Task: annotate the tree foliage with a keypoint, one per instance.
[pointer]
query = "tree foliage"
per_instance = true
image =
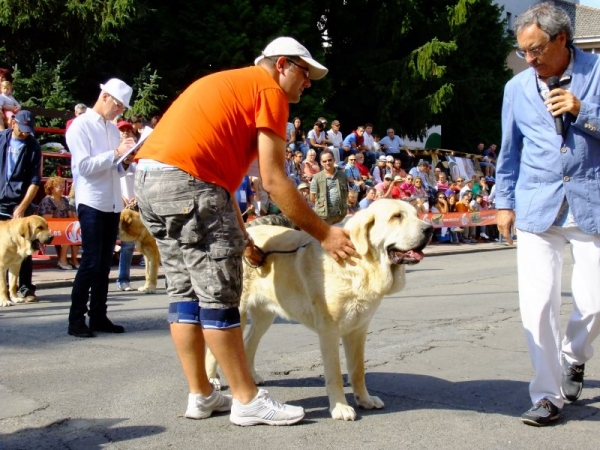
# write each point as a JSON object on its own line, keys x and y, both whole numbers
{"x": 409, "y": 64}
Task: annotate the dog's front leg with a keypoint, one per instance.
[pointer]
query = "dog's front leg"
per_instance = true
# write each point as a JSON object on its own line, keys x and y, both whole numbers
{"x": 329, "y": 339}
{"x": 13, "y": 279}
{"x": 4, "y": 299}
{"x": 354, "y": 347}
{"x": 151, "y": 272}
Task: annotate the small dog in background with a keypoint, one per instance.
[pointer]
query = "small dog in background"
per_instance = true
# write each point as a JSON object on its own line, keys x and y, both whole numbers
{"x": 131, "y": 229}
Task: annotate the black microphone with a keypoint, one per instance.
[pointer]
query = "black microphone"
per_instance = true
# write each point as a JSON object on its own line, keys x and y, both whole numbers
{"x": 554, "y": 83}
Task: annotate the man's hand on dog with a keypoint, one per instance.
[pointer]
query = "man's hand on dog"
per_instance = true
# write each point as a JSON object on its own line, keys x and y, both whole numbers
{"x": 505, "y": 219}
{"x": 253, "y": 255}
{"x": 338, "y": 244}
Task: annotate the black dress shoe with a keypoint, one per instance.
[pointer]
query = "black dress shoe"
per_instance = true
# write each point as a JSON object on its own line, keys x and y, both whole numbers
{"x": 80, "y": 330}
{"x": 106, "y": 326}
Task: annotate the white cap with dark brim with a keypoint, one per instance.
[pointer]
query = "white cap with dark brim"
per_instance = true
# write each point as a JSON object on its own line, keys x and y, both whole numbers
{"x": 287, "y": 46}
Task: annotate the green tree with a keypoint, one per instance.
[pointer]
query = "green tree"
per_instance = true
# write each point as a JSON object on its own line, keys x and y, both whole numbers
{"x": 409, "y": 62}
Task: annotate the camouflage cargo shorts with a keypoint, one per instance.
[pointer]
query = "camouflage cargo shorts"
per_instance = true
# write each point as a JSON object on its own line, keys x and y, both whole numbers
{"x": 198, "y": 236}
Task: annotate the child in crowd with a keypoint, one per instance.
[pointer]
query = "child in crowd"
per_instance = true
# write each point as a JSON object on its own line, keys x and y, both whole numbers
{"x": 8, "y": 103}
{"x": 56, "y": 206}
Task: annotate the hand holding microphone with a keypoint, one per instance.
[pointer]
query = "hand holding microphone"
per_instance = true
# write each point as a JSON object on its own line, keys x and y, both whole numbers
{"x": 561, "y": 102}
{"x": 554, "y": 83}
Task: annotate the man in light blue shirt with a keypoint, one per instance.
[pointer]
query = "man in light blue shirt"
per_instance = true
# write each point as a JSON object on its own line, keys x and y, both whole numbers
{"x": 547, "y": 185}
{"x": 393, "y": 145}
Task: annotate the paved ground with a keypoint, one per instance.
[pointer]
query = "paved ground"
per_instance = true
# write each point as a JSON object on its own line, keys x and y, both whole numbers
{"x": 446, "y": 355}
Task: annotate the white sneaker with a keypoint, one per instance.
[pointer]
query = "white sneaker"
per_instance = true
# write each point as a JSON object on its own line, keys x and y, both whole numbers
{"x": 262, "y": 409}
{"x": 483, "y": 235}
{"x": 201, "y": 407}
{"x": 124, "y": 287}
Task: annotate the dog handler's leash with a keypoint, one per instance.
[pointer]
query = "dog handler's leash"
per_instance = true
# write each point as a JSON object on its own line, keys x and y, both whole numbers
{"x": 264, "y": 255}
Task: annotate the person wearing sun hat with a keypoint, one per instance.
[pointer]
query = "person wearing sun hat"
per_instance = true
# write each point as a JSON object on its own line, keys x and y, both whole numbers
{"x": 187, "y": 170}
{"x": 96, "y": 146}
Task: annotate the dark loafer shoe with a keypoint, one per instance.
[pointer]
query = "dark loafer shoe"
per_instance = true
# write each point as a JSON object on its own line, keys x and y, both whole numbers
{"x": 80, "y": 330}
{"x": 106, "y": 326}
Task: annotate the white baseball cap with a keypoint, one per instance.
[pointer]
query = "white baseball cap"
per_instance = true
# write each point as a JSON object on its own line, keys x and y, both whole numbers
{"x": 287, "y": 46}
{"x": 119, "y": 90}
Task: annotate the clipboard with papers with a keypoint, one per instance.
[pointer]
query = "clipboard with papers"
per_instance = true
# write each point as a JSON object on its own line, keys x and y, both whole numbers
{"x": 145, "y": 133}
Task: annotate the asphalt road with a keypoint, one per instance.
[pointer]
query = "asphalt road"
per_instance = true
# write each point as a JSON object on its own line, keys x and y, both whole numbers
{"x": 447, "y": 356}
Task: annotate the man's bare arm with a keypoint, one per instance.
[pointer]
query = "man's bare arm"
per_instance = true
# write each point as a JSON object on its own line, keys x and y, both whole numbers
{"x": 271, "y": 154}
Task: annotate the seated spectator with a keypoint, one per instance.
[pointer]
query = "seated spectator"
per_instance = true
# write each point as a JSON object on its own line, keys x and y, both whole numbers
{"x": 355, "y": 181}
{"x": 389, "y": 165}
{"x": 488, "y": 164}
{"x": 385, "y": 186}
{"x": 441, "y": 206}
{"x": 379, "y": 171}
{"x": 478, "y": 205}
{"x": 421, "y": 171}
{"x": 397, "y": 169}
{"x": 138, "y": 122}
{"x": 353, "y": 142}
{"x": 288, "y": 134}
{"x": 442, "y": 182}
{"x": 298, "y": 169}
{"x": 56, "y": 206}
{"x": 299, "y": 137}
{"x": 304, "y": 190}
{"x": 311, "y": 166}
{"x": 476, "y": 188}
{"x": 261, "y": 197}
{"x": 154, "y": 121}
{"x": 421, "y": 193}
{"x": 369, "y": 198}
{"x": 7, "y": 102}
{"x": 290, "y": 166}
{"x": 335, "y": 140}
{"x": 352, "y": 201}
{"x": 245, "y": 198}
{"x": 317, "y": 138}
{"x": 364, "y": 170}
{"x": 467, "y": 186}
{"x": 80, "y": 108}
{"x": 408, "y": 186}
{"x": 393, "y": 145}
{"x": 464, "y": 206}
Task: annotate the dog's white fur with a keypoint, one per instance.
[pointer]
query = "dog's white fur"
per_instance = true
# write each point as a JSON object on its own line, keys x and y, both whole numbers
{"x": 336, "y": 301}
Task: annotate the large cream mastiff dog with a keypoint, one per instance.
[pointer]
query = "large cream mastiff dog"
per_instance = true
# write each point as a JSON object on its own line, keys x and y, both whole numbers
{"x": 19, "y": 238}
{"x": 336, "y": 301}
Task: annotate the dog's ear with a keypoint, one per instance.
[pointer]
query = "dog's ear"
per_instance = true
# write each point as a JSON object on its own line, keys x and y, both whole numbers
{"x": 360, "y": 232}
{"x": 24, "y": 229}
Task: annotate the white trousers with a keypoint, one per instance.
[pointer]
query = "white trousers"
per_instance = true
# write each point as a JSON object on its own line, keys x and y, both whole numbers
{"x": 540, "y": 263}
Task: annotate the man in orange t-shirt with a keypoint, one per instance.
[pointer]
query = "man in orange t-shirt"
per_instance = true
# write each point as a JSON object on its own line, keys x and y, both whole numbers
{"x": 187, "y": 174}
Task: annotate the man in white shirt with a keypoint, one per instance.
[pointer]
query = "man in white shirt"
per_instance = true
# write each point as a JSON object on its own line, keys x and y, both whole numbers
{"x": 95, "y": 146}
{"x": 335, "y": 139}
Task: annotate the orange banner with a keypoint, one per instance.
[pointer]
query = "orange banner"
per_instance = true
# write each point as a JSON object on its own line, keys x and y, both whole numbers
{"x": 472, "y": 219}
{"x": 65, "y": 231}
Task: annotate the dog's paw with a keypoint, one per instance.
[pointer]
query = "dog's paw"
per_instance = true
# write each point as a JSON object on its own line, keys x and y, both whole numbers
{"x": 147, "y": 289}
{"x": 370, "y": 402}
{"x": 343, "y": 412}
{"x": 18, "y": 300}
{"x": 6, "y": 303}
{"x": 216, "y": 382}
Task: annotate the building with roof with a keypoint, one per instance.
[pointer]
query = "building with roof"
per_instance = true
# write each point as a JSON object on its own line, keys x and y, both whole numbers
{"x": 585, "y": 20}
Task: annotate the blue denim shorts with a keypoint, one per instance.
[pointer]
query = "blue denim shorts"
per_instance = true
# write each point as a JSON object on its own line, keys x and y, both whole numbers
{"x": 198, "y": 236}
